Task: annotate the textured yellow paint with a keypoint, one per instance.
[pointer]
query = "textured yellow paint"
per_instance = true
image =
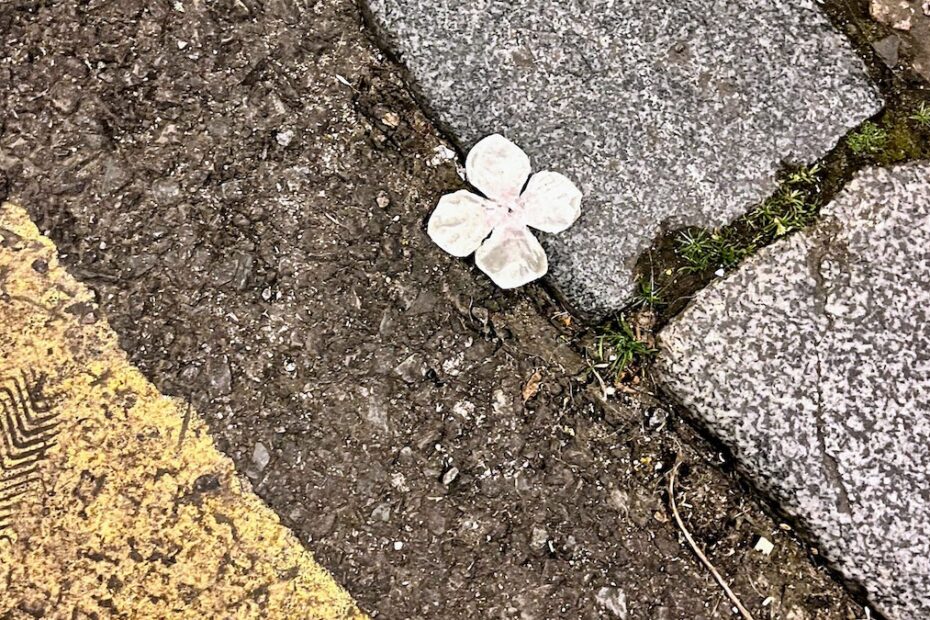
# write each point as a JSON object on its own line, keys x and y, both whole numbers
{"x": 126, "y": 519}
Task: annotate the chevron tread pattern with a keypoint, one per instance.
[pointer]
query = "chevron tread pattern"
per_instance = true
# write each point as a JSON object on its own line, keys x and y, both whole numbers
{"x": 28, "y": 427}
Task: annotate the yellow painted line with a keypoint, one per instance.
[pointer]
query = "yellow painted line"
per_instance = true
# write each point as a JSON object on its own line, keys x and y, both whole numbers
{"x": 114, "y": 501}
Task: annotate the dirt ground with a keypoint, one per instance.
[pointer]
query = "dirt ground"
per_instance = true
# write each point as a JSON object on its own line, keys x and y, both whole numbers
{"x": 244, "y": 184}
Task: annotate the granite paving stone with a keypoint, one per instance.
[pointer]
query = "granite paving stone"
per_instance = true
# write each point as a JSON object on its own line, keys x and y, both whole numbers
{"x": 812, "y": 363}
{"x": 665, "y": 115}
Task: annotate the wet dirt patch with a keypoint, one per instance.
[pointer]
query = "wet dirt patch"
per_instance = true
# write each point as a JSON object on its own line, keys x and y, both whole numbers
{"x": 244, "y": 186}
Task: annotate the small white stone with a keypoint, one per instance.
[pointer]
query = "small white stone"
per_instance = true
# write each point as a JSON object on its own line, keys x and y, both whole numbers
{"x": 720, "y": 273}
{"x": 764, "y": 546}
{"x": 450, "y": 476}
{"x": 284, "y": 137}
{"x": 399, "y": 482}
{"x": 441, "y": 153}
{"x": 538, "y": 537}
{"x": 260, "y": 456}
{"x": 613, "y": 600}
{"x": 398, "y": 545}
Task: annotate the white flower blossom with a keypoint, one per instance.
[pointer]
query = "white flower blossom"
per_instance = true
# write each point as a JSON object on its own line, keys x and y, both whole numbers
{"x": 496, "y": 226}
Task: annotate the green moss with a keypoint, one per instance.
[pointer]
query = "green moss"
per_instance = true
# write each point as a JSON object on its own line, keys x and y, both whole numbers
{"x": 869, "y": 139}
{"x": 902, "y": 145}
{"x": 907, "y": 129}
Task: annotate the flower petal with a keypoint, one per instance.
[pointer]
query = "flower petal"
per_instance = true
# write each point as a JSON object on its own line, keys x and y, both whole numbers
{"x": 460, "y": 222}
{"x": 497, "y": 167}
{"x": 551, "y": 203}
{"x": 512, "y": 257}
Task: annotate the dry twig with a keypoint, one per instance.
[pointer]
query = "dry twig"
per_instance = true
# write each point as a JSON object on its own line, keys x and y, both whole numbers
{"x": 697, "y": 551}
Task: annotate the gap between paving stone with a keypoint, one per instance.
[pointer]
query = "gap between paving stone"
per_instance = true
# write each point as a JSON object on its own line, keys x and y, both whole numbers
{"x": 663, "y": 268}
{"x": 383, "y": 380}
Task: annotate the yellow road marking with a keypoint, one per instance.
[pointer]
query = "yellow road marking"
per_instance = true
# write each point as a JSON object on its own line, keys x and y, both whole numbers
{"x": 105, "y": 509}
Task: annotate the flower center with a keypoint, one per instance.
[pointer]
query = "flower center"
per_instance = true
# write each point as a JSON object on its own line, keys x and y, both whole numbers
{"x": 506, "y": 213}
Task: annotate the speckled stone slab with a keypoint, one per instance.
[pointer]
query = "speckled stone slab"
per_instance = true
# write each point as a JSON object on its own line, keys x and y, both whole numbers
{"x": 812, "y": 362}
{"x": 666, "y": 114}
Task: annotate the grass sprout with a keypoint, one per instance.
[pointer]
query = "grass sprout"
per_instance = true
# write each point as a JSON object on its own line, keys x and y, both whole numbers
{"x": 921, "y": 115}
{"x": 618, "y": 347}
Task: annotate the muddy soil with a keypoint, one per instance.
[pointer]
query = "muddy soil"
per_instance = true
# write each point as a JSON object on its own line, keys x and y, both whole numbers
{"x": 244, "y": 184}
